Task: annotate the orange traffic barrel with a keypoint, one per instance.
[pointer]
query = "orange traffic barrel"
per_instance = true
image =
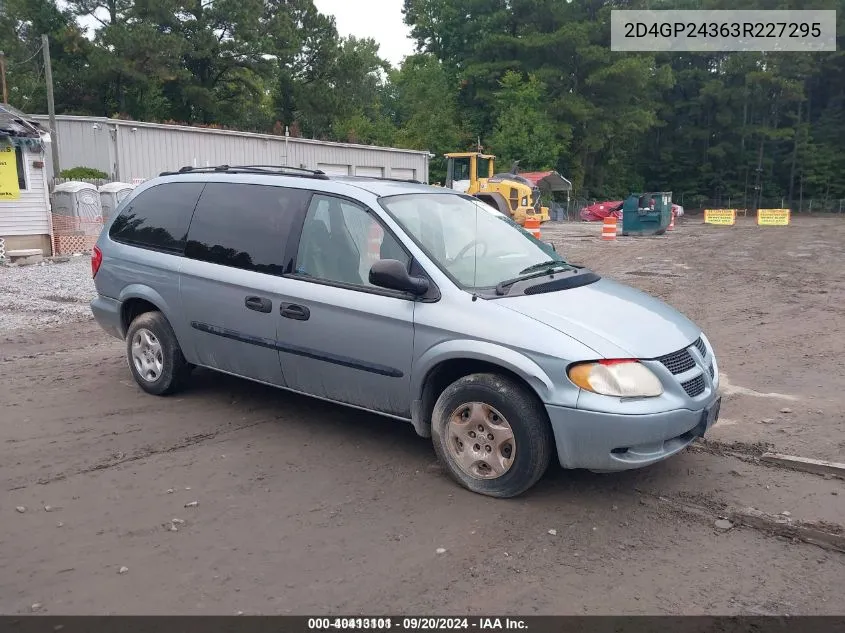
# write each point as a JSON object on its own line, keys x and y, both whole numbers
{"x": 671, "y": 226}
{"x": 532, "y": 224}
{"x": 608, "y": 228}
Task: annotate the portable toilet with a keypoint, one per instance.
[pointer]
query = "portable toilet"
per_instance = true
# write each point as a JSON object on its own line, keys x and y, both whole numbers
{"x": 79, "y": 200}
{"x": 647, "y": 213}
{"x": 111, "y": 195}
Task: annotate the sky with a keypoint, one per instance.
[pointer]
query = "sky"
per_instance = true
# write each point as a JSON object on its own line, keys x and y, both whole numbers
{"x": 378, "y": 19}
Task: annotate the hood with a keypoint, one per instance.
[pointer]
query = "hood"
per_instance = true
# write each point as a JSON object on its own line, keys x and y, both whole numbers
{"x": 615, "y": 320}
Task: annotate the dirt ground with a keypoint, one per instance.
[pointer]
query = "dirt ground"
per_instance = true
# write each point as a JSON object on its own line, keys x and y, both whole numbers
{"x": 304, "y": 507}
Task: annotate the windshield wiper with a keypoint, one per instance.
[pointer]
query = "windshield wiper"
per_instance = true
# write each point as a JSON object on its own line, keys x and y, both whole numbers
{"x": 535, "y": 270}
{"x": 552, "y": 263}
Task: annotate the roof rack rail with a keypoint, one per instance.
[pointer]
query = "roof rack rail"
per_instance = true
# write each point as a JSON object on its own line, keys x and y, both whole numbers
{"x": 411, "y": 180}
{"x": 278, "y": 170}
{"x": 284, "y": 167}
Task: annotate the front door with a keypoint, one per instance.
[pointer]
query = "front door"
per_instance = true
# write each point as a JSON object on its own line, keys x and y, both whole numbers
{"x": 340, "y": 337}
{"x": 234, "y": 260}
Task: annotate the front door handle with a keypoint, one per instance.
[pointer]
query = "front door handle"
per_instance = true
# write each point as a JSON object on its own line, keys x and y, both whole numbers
{"x": 259, "y": 304}
{"x": 294, "y": 311}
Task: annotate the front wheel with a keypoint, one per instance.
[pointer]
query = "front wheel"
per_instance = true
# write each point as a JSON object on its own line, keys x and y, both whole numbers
{"x": 492, "y": 434}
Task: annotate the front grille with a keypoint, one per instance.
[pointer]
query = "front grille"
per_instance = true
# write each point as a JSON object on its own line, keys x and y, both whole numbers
{"x": 678, "y": 362}
{"x": 712, "y": 373}
{"x": 699, "y": 344}
{"x": 694, "y": 387}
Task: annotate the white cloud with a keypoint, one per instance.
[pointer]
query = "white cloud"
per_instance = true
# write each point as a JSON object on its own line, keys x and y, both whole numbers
{"x": 381, "y": 20}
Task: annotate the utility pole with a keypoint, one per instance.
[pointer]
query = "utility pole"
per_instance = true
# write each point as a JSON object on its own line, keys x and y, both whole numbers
{"x": 51, "y": 106}
{"x": 3, "y": 77}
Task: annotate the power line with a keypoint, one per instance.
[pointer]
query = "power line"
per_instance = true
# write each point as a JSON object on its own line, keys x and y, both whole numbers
{"x": 28, "y": 58}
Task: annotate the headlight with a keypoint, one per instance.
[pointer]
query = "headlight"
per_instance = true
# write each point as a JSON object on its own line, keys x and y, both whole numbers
{"x": 619, "y": 378}
{"x": 524, "y": 202}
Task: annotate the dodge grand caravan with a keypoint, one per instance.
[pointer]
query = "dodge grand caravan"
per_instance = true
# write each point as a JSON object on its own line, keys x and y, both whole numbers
{"x": 410, "y": 301}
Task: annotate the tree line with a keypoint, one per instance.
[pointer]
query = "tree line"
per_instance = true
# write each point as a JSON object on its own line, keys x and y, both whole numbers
{"x": 531, "y": 80}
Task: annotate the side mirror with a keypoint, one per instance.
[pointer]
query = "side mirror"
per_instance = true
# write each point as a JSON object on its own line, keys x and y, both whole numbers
{"x": 393, "y": 275}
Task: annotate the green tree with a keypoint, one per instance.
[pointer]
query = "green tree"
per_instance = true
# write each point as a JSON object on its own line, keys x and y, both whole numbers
{"x": 303, "y": 43}
{"x": 359, "y": 90}
{"x": 425, "y": 110}
{"x": 522, "y": 130}
{"x": 22, "y": 22}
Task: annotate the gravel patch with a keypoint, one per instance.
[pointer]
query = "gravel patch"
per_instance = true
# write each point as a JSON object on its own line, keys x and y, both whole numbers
{"x": 45, "y": 294}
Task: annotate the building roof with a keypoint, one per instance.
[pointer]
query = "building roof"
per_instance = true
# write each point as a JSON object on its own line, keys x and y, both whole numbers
{"x": 13, "y": 122}
{"x": 204, "y": 130}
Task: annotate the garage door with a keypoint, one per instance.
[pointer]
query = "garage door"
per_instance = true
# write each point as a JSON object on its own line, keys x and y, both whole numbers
{"x": 372, "y": 172}
{"x": 403, "y": 174}
{"x": 334, "y": 170}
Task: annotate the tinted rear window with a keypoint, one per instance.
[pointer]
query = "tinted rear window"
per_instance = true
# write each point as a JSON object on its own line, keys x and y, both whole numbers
{"x": 158, "y": 218}
{"x": 245, "y": 226}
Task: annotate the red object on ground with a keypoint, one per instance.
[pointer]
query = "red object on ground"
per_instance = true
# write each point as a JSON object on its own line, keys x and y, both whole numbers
{"x": 601, "y": 210}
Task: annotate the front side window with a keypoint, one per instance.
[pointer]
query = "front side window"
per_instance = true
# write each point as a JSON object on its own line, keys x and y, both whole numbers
{"x": 474, "y": 244}
{"x": 341, "y": 241}
{"x": 245, "y": 226}
{"x": 158, "y": 217}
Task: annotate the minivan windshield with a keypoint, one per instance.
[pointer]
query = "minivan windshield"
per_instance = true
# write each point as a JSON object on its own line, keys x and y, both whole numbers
{"x": 474, "y": 244}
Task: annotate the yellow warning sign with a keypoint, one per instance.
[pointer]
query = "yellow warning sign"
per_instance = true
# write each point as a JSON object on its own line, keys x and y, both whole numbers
{"x": 725, "y": 217}
{"x": 773, "y": 217}
{"x": 9, "y": 189}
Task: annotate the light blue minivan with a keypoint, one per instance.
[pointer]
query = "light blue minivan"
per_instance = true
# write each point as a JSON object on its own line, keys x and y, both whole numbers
{"x": 410, "y": 301}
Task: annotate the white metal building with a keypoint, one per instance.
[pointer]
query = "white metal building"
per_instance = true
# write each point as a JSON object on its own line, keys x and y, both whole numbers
{"x": 130, "y": 150}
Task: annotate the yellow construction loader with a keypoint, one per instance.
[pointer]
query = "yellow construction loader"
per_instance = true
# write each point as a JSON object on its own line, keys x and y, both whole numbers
{"x": 515, "y": 195}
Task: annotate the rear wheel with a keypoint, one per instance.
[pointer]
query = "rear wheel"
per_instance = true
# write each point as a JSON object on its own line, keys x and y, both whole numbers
{"x": 154, "y": 355}
{"x": 492, "y": 435}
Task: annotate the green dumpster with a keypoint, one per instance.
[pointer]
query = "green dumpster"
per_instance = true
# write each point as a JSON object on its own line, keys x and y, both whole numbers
{"x": 647, "y": 213}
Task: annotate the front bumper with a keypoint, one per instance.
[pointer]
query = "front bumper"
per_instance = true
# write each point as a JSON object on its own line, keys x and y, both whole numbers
{"x": 612, "y": 442}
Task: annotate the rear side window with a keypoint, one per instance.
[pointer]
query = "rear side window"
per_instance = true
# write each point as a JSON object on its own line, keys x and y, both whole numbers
{"x": 245, "y": 226}
{"x": 158, "y": 218}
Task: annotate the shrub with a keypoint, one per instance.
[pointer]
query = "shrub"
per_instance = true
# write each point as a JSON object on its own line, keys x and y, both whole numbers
{"x": 83, "y": 173}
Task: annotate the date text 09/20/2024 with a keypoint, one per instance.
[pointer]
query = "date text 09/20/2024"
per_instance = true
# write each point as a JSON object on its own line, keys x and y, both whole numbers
{"x": 416, "y": 623}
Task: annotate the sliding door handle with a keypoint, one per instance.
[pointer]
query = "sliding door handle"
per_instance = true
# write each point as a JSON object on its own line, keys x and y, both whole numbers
{"x": 259, "y": 304}
{"x": 294, "y": 311}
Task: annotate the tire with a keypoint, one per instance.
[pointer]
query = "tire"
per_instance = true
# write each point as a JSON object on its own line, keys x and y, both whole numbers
{"x": 496, "y": 395}
{"x": 170, "y": 370}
